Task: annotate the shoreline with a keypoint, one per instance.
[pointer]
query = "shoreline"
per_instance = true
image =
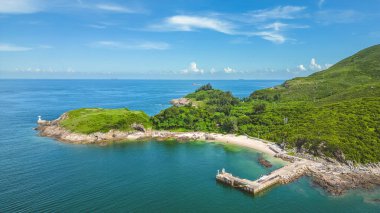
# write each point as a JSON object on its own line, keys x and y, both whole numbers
{"x": 54, "y": 130}
{"x": 334, "y": 177}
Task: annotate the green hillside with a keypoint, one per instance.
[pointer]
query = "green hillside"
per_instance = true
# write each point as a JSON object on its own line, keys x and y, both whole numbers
{"x": 90, "y": 120}
{"x": 334, "y": 112}
{"x": 357, "y": 76}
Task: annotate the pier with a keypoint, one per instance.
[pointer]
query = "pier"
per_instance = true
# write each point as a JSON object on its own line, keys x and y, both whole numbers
{"x": 283, "y": 175}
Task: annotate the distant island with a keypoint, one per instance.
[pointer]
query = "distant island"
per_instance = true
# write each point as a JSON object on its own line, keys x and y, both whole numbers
{"x": 328, "y": 122}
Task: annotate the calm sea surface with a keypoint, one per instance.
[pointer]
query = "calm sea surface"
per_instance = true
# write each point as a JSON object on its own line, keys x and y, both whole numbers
{"x": 40, "y": 174}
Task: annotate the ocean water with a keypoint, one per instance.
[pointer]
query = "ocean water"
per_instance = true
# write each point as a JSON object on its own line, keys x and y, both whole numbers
{"x": 42, "y": 175}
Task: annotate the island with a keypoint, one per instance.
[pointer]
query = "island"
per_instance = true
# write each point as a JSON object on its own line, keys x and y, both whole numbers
{"x": 326, "y": 125}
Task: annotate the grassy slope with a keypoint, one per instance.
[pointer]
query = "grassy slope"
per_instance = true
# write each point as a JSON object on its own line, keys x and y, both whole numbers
{"x": 333, "y": 112}
{"x": 355, "y": 76}
{"x": 90, "y": 120}
{"x": 337, "y": 109}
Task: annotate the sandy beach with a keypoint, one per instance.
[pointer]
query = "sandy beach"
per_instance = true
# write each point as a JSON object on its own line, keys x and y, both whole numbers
{"x": 239, "y": 140}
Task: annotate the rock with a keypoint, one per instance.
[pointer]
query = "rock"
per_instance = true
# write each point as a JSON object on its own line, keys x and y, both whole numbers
{"x": 181, "y": 102}
{"x": 338, "y": 154}
{"x": 209, "y": 137}
{"x": 264, "y": 162}
{"x": 138, "y": 127}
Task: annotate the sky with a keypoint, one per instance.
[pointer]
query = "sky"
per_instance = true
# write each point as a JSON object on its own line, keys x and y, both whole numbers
{"x": 181, "y": 39}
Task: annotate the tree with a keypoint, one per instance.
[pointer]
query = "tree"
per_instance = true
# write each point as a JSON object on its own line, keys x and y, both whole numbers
{"x": 259, "y": 108}
{"x": 204, "y": 88}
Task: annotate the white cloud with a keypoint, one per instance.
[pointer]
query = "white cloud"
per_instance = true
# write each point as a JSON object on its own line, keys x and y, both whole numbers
{"x": 190, "y": 23}
{"x": 20, "y": 6}
{"x": 102, "y": 25}
{"x": 144, "y": 45}
{"x": 281, "y": 12}
{"x": 301, "y": 67}
{"x": 272, "y": 36}
{"x": 314, "y": 65}
{"x": 254, "y": 23}
{"x": 229, "y": 70}
{"x": 212, "y": 70}
{"x": 13, "y": 48}
{"x": 193, "y": 68}
{"x": 147, "y": 45}
{"x": 279, "y": 26}
{"x": 45, "y": 70}
{"x": 114, "y": 8}
{"x": 108, "y": 44}
{"x": 273, "y": 31}
{"x": 97, "y": 26}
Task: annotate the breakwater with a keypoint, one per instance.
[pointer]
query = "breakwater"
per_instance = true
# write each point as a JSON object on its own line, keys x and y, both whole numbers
{"x": 283, "y": 175}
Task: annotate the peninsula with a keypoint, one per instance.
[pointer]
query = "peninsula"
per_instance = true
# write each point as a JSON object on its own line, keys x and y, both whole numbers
{"x": 326, "y": 125}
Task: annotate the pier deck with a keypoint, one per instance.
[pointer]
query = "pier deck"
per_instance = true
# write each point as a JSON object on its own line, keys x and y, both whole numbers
{"x": 283, "y": 175}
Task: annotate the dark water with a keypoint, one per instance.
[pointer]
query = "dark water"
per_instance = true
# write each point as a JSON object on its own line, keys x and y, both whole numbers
{"x": 40, "y": 174}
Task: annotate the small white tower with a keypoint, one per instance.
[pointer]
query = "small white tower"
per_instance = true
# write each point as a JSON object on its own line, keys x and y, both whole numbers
{"x": 40, "y": 121}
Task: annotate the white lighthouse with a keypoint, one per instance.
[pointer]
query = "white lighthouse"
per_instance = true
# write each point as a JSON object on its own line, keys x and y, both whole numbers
{"x": 40, "y": 121}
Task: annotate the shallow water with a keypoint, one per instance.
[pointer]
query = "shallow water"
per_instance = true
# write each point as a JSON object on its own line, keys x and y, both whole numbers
{"x": 39, "y": 174}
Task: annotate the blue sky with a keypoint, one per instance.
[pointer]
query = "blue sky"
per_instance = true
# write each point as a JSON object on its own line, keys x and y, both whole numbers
{"x": 178, "y": 39}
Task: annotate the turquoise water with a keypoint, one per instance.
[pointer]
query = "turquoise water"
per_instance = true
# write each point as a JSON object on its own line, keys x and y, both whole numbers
{"x": 40, "y": 174}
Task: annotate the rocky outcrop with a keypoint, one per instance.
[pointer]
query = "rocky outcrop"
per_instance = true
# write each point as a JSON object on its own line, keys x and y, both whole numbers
{"x": 181, "y": 102}
{"x": 337, "y": 179}
{"x": 138, "y": 127}
{"x": 53, "y": 129}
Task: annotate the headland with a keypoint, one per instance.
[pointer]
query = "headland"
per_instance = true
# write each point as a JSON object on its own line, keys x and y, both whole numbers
{"x": 336, "y": 178}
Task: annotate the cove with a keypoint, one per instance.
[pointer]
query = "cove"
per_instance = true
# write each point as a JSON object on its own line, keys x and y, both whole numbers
{"x": 40, "y": 173}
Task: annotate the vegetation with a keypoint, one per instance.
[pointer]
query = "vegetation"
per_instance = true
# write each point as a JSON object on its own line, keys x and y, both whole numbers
{"x": 334, "y": 112}
{"x": 204, "y": 87}
{"x": 211, "y": 114}
{"x": 90, "y": 120}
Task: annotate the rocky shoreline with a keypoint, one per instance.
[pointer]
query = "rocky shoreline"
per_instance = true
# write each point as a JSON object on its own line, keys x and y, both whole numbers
{"x": 336, "y": 178}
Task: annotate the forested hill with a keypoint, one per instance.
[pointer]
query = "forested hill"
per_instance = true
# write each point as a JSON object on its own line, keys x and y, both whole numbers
{"x": 333, "y": 113}
{"x": 357, "y": 76}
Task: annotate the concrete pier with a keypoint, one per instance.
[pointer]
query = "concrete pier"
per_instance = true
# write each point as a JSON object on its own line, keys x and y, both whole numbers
{"x": 283, "y": 175}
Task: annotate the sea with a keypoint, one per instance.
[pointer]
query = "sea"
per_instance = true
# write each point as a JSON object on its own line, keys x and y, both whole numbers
{"x": 39, "y": 174}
